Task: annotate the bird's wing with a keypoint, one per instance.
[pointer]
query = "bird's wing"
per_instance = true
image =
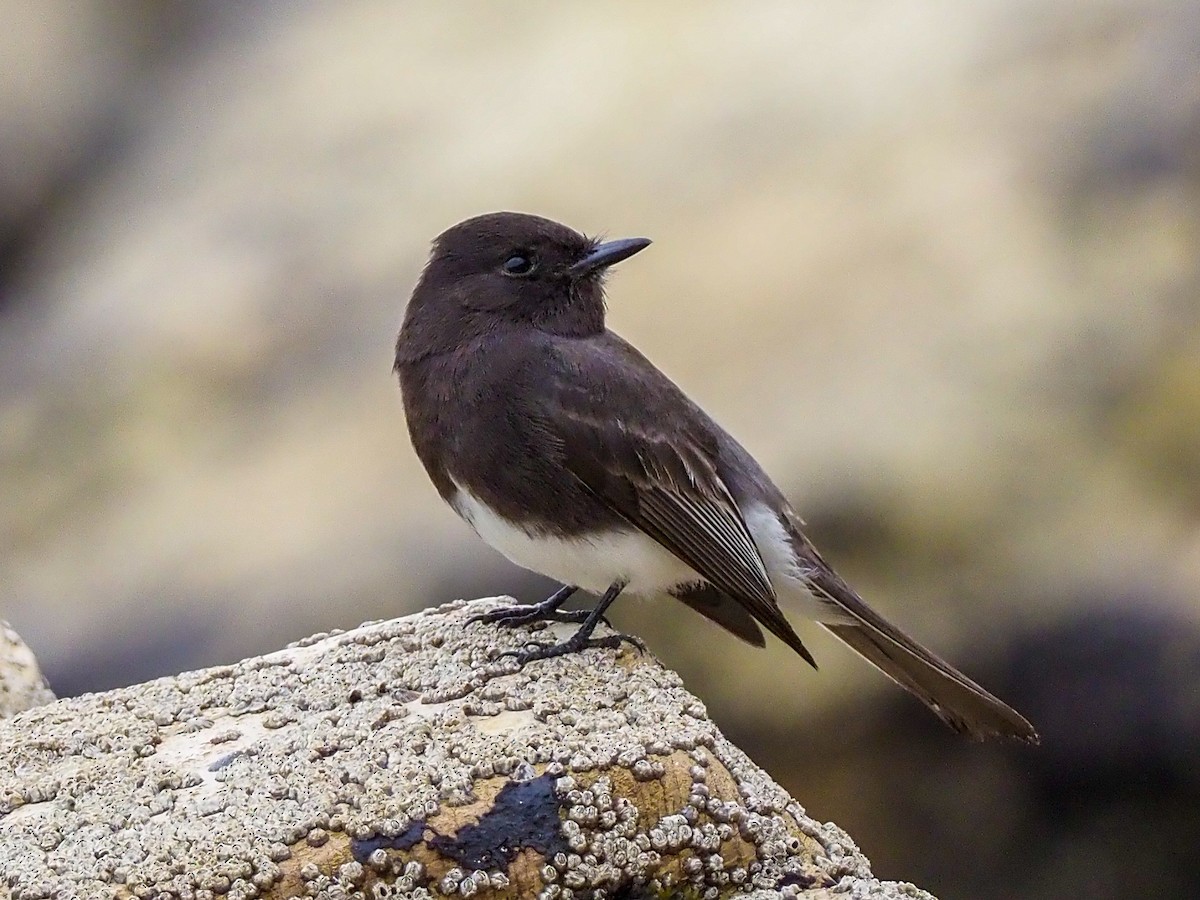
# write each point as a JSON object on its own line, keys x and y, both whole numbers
{"x": 655, "y": 466}
{"x": 719, "y": 607}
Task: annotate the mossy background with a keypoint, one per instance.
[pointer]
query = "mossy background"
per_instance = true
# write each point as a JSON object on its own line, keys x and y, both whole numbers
{"x": 935, "y": 264}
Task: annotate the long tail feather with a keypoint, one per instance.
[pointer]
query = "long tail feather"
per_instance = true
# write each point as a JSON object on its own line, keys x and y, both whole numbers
{"x": 954, "y": 698}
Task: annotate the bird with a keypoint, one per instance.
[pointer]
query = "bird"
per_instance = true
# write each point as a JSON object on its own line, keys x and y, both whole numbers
{"x": 568, "y": 451}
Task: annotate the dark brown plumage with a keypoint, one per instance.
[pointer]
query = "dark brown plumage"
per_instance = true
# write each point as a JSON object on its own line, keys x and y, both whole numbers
{"x": 571, "y": 453}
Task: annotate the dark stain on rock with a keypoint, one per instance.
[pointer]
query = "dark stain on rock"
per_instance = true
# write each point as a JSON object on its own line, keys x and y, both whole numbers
{"x": 801, "y": 880}
{"x": 523, "y": 815}
{"x": 405, "y": 840}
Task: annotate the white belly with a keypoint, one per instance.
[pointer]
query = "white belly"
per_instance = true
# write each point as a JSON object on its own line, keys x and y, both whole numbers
{"x": 592, "y": 563}
{"x": 641, "y": 563}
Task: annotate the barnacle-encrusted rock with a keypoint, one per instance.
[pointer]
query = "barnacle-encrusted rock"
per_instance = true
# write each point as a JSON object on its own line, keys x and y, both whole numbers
{"x": 404, "y": 759}
{"x": 21, "y": 683}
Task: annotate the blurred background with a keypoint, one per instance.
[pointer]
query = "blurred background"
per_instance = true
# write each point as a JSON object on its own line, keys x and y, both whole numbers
{"x": 934, "y": 263}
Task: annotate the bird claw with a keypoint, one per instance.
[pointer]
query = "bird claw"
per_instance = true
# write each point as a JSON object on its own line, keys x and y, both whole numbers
{"x": 549, "y": 611}
{"x": 534, "y": 651}
{"x": 515, "y": 616}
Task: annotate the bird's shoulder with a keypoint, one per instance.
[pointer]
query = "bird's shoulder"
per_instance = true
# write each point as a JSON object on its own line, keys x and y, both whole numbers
{"x": 604, "y": 381}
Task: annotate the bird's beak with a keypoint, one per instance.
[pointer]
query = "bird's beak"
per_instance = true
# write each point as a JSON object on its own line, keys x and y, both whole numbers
{"x": 606, "y": 254}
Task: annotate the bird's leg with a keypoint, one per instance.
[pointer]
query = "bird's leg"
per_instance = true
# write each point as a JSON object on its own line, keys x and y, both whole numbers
{"x": 582, "y": 638}
{"x": 546, "y": 611}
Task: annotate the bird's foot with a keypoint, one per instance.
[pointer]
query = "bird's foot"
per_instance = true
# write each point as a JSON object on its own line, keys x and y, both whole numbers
{"x": 546, "y": 611}
{"x": 515, "y": 616}
{"x": 575, "y": 643}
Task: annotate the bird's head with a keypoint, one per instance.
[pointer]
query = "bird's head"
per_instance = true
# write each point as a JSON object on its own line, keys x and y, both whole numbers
{"x": 508, "y": 268}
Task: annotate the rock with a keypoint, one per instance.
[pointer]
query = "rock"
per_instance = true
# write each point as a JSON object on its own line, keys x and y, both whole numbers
{"x": 21, "y": 683}
{"x": 404, "y": 758}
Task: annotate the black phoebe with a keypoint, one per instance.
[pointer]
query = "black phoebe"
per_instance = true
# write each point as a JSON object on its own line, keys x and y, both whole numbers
{"x": 571, "y": 454}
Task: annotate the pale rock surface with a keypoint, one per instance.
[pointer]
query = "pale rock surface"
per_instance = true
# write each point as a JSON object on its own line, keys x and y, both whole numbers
{"x": 21, "y": 683}
{"x": 405, "y": 758}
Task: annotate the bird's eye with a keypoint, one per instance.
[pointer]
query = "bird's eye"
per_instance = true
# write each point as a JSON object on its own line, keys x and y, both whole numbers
{"x": 519, "y": 264}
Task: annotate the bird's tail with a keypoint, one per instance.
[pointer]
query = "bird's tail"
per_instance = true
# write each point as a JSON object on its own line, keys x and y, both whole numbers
{"x": 954, "y": 698}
